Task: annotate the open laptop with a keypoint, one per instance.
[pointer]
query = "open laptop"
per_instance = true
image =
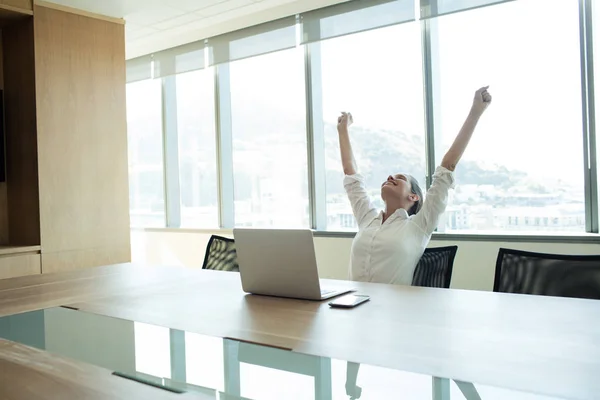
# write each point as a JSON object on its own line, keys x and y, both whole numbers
{"x": 282, "y": 263}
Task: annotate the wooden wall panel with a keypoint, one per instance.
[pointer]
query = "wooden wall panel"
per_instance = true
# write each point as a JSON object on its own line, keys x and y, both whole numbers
{"x": 77, "y": 11}
{"x": 77, "y": 259}
{"x": 82, "y": 139}
{"x": 21, "y": 140}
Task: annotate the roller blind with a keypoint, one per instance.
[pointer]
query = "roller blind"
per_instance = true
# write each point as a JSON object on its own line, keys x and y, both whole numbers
{"x": 138, "y": 69}
{"x": 354, "y": 16}
{"x": 180, "y": 59}
{"x": 253, "y": 41}
{"x": 436, "y": 8}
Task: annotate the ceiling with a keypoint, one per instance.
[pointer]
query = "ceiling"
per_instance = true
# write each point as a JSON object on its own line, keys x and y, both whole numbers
{"x": 153, "y": 25}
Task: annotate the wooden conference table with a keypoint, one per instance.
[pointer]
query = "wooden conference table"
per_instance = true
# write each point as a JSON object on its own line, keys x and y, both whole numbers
{"x": 528, "y": 343}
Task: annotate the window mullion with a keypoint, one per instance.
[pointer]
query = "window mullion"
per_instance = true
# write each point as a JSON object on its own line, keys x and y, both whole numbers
{"x": 171, "y": 152}
{"x": 588, "y": 116}
{"x": 315, "y": 138}
{"x": 428, "y": 78}
{"x": 224, "y": 146}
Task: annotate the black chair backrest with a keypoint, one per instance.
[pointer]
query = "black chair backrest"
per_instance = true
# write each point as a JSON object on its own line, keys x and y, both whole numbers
{"x": 547, "y": 274}
{"x": 435, "y": 267}
{"x": 221, "y": 254}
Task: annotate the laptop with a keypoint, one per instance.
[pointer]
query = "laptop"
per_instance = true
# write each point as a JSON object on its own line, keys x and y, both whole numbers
{"x": 280, "y": 262}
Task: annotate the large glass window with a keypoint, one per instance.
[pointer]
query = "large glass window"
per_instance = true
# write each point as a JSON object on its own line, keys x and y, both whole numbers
{"x": 596, "y": 73}
{"x": 376, "y": 75}
{"x": 197, "y": 149}
{"x": 269, "y": 140}
{"x": 144, "y": 131}
{"x": 523, "y": 170}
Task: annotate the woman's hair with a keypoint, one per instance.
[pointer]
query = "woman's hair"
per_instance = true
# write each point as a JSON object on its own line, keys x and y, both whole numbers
{"x": 416, "y": 189}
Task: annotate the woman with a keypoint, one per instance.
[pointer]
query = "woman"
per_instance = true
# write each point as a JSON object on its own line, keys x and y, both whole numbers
{"x": 390, "y": 243}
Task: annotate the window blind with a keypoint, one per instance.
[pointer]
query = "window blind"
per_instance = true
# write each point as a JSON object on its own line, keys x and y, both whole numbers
{"x": 354, "y": 16}
{"x": 436, "y": 8}
{"x": 253, "y": 41}
{"x": 139, "y": 69}
{"x": 180, "y": 59}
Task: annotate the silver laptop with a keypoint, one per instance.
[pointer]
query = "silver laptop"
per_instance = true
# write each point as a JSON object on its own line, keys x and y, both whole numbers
{"x": 282, "y": 263}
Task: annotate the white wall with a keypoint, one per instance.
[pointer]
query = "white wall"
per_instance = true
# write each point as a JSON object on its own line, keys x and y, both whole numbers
{"x": 473, "y": 267}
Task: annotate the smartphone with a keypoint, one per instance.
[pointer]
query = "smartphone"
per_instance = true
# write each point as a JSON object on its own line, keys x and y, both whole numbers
{"x": 349, "y": 301}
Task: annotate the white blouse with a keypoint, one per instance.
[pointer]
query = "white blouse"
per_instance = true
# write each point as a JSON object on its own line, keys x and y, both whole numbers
{"x": 389, "y": 252}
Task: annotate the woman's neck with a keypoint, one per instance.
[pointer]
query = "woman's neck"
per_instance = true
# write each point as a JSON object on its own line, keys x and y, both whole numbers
{"x": 390, "y": 209}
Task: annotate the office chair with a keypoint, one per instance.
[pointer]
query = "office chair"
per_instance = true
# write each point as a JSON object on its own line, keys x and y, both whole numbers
{"x": 435, "y": 267}
{"x": 547, "y": 274}
{"x": 221, "y": 254}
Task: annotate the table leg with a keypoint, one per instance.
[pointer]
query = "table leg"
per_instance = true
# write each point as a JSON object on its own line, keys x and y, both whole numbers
{"x": 232, "y": 367}
{"x": 323, "y": 389}
{"x": 178, "y": 367}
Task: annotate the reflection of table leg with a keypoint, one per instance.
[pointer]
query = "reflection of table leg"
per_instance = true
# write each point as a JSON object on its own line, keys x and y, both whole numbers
{"x": 232, "y": 367}
{"x": 468, "y": 390}
{"x": 441, "y": 389}
{"x": 351, "y": 377}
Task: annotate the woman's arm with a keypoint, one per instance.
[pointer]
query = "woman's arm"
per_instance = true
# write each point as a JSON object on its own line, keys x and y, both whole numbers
{"x": 348, "y": 161}
{"x": 354, "y": 184}
{"x": 437, "y": 195}
{"x": 480, "y": 103}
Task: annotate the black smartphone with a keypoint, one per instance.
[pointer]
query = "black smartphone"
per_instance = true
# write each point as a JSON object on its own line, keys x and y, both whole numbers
{"x": 349, "y": 301}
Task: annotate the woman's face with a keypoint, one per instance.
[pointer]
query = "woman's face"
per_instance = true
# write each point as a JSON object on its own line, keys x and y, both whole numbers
{"x": 398, "y": 186}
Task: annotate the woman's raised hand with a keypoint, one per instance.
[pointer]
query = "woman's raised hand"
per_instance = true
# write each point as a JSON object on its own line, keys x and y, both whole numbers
{"x": 482, "y": 100}
{"x": 344, "y": 121}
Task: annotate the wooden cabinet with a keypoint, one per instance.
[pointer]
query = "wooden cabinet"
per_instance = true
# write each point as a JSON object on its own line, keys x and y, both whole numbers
{"x": 14, "y": 10}
{"x": 26, "y": 5}
{"x": 19, "y": 262}
{"x": 66, "y": 140}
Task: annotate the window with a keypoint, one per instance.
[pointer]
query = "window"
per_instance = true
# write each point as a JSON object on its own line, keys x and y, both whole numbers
{"x": 197, "y": 149}
{"x": 596, "y": 73}
{"x": 376, "y": 75}
{"x": 525, "y": 159}
{"x": 269, "y": 140}
{"x": 144, "y": 131}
